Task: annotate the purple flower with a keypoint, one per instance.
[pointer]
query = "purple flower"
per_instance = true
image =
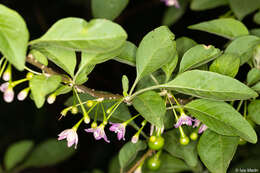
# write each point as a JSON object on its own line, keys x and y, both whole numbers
{"x": 184, "y": 119}
{"x": 6, "y": 76}
{"x": 118, "y": 128}
{"x": 22, "y": 95}
{"x": 196, "y": 123}
{"x": 71, "y": 135}
{"x": 98, "y": 132}
{"x": 202, "y": 128}
{"x": 172, "y": 3}
{"x": 4, "y": 87}
{"x": 9, "y": 95}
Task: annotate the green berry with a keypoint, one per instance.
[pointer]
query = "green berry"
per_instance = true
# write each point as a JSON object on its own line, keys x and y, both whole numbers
{"x": 74, "y": 110}
{"x": 184, "y": 140}
{"x": 153, "y": 164}
{"x": 194, "y": 136}
{"x": 94, "y": 125}
{"x": 156, "y": 142}
{"x": 29, "y": 75}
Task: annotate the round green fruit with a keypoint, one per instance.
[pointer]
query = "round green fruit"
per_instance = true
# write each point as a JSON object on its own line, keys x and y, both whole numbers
{"x": 194, "y": 136}
{"x": 184, "y": 140}
{"x": 156, "y": 142}
{"x": 153, "y": 164}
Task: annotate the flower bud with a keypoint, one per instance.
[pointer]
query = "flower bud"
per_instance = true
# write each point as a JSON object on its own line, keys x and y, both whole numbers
{"x": 74, "y": 110}
{"x": 29, "y": 75}
{"x": 94, "y": 125}
{"x": 108, "y": 111}
{"x": 51, "y": 99}
{"x": 65, "y": 111}
{"x": 135, "y": 138}
{"x": 9, "y": 95}
{"x": 4, "y": 87}
{"x": 23, "y": 94}
{"x": 90, "y": 103}
{"x": 7, "y": 75}
{"x": 86, "y": 119}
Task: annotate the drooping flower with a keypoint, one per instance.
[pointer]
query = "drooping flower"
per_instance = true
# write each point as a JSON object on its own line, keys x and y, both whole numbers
{"x": 196, "y": 123}
{"x": 9, "y": 95}
{"x": 4, "y": 87}
{"x": 51, "y": 99}
{"x": 6, "y": 76}
{"x": 202, "y": 128}
{"x": 118, "y": 128}
{"x": 184, "y": 119}
{"x": 23, "y": 94}
{"x": 98, "y": 132}
{"x": 172, "y": 3}
{"x": 71, "y": 136}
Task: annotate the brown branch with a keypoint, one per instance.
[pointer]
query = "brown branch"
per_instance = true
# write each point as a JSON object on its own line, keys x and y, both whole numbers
{"x": 147, "y": 154}
{"x": 66, "y": 79}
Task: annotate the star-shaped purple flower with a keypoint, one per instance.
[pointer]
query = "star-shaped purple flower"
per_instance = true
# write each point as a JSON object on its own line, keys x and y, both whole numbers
{"x": 184, "y": 119}
{"x": 98, "y": 132}
{"x": 118, "y": 128}
{"x": 71, "y": 135}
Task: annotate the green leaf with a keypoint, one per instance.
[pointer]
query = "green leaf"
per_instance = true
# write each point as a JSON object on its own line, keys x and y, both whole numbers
{"x": 155, "y": 50}
{"x": 210, "y": 85}
{"x": 16, "y": 153}
{"x": 216, "y": 151}
{"x": 206, "y": 4}
{"x": 253, "y": 76}
{"x": 65, "y": 59}
{"x": 226, "y": 64}
{"x": 173, "y": 14}
{"x": 109, "y": 9}
{"x": 148, "y": 81}
{"x": 96, "y": 36}
{"x": 39, "y": 57}
{"x": 183, "y": 44}
{"x": 222, "y": 118}
{"x": 125, "y": 85}
{"x": 14, "y": 37}
{"x": 88, "y": 62}
{"x": 243, "y": 47}
{"x": 228, "y": 27}
{"x": 128, "y": 54}
{"x": 151, "y": 106}
{"x": 255, "y": 32}
{"x": 169, "y": 68}
{"x": 256, "y": 87}
{"x": 242, "y": 8}
{"x": 47, "y": 153}
{"x": 42, "y": 85}
{"x": 197, "y": 56}
{"x": 114, "y": 166}
{"x": 169, "y": 164}
{"x": 257, "y": 17}
{"x": 254, "y": 111}
{"x": 129, "y": 151}
{"x": 63, "y": 89}
{"x": 188, "y": 152}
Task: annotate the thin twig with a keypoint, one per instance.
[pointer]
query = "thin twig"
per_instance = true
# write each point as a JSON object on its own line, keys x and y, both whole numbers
{"x": 81, "y": 88}
{"x": 147, "y": 154}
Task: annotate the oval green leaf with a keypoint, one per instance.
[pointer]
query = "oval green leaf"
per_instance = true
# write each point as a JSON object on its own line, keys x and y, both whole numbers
{"x": 216, "y": 151}
{"x": 16, "y": 153}
{"x": 222, "y": 118}
{"x": 41, "y": 86}
{"x": 14, "y": 37}
{"x": 253, "y": 76}
{"x": 226, "y": 64}
{"x": 151, "y": 106}
{"x": 155, "y": 50}
{"x": 254, "y": 111}
{"x": 197, "y": 56}
{"x": 97, "y": 36}
{"x": 228, "y": 27}
{"x": 210, "y": 85}
{"x": 206, "y": 4}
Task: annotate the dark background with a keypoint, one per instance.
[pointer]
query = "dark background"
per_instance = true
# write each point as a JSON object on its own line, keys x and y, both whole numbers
{"x": 22, "y": 120}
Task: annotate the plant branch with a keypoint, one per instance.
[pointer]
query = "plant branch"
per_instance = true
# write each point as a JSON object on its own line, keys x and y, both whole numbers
{"x": 147, "y": 154}
{"x": 80, "y": 88}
